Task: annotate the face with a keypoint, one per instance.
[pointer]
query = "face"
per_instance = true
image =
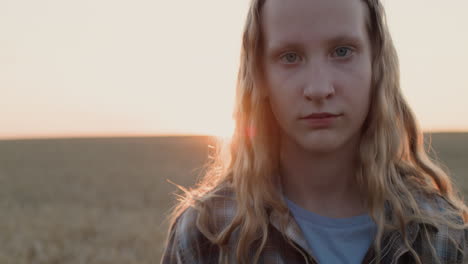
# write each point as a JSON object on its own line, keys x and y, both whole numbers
{"x": 317, "y": 61}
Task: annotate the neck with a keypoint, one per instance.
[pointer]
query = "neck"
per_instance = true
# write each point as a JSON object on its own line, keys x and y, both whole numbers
{"x": 321, "y": 182}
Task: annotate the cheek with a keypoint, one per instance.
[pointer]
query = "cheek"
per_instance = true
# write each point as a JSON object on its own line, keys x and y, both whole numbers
{"x": 282, "y": 101}
{"x": 355, "y": 86}
{"x": 280, "y": 106}
{"x": 360, "y": 100}
{"x": 276, "y": 81}
{"x": 281, "y": 90}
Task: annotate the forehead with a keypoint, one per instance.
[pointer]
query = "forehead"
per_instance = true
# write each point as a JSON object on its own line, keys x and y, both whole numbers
{"x": 313, "y": 21}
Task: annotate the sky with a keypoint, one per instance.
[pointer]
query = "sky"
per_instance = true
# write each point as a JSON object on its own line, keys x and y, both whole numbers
{"x": 72, "y": 68}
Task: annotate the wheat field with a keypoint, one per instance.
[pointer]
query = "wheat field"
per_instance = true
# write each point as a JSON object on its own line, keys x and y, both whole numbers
{"x": 103, "y": 200}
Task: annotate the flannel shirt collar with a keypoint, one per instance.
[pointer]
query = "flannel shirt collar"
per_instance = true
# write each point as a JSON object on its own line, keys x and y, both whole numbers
{"x": 392, "y": 241}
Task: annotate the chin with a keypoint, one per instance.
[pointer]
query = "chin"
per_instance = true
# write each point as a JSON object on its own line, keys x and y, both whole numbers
{"x": 321, "y": 147}
{"x": 322, "y": 142}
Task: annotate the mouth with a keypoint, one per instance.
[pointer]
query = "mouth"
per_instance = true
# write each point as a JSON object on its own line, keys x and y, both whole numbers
{"x": 320, "y": 120}
{"x": 320, "y": 115}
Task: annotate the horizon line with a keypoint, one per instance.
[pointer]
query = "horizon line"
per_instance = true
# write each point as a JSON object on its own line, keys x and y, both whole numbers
{"x": 159, "y": 135}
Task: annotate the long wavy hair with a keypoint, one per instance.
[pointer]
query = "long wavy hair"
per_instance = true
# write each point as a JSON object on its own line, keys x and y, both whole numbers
{"x": 394, "y": 164}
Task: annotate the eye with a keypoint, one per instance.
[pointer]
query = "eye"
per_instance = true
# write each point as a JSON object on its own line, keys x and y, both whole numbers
{"x": 342, "y": 51}
{"x": 290, "y": 57}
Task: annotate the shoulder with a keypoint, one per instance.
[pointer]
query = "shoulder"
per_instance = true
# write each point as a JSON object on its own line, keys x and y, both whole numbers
{"x": 218, "y": 207}
{"x": 215, "y": 210}
{"x": 439, "y": 206}
{"x": 449, "y": 242}
{"x": 189, "y": 236}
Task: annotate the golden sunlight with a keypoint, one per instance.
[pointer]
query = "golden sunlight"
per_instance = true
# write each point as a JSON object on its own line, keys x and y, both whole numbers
{"x": 224, "y": 130}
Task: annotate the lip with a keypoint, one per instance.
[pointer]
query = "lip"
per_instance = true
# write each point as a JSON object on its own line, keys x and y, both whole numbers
{"x": 320, "y": 120}
{"x": 320, "y": 115}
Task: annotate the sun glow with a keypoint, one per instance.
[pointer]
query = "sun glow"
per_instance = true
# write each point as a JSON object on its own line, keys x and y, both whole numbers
{"x": 225, "y": 130}
{"x": 108, "y": 76}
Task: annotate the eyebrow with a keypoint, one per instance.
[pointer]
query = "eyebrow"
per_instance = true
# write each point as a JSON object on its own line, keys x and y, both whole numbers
{"x": 345, "y": 38}
{"x": 339, "y": 39}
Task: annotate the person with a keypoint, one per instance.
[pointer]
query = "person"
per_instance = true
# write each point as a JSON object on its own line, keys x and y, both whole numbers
{"x": 327, "y": 161}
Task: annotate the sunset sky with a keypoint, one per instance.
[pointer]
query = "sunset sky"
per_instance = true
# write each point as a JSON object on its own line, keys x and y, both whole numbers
{"x": 153, "y": 67}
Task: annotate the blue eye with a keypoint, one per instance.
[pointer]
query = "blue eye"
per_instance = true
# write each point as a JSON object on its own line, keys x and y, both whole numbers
{"x": 290, "y": 57}
{"x": 342, "y": 51}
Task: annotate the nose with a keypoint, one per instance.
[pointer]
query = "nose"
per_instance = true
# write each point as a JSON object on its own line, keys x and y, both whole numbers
{"x": 319, "y": 85}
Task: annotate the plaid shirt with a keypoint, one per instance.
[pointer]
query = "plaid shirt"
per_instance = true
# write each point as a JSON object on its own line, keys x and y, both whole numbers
{"x": 187, "y": 245}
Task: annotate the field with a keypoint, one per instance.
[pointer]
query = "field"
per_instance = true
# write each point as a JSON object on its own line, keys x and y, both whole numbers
{"x": 103, "y": 200}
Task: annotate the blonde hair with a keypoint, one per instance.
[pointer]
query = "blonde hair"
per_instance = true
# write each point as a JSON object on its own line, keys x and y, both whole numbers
{"x": 394, "y": 163}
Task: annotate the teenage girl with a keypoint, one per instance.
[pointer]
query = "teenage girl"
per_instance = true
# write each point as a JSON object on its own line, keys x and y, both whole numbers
{"x": 327, "y": 163}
